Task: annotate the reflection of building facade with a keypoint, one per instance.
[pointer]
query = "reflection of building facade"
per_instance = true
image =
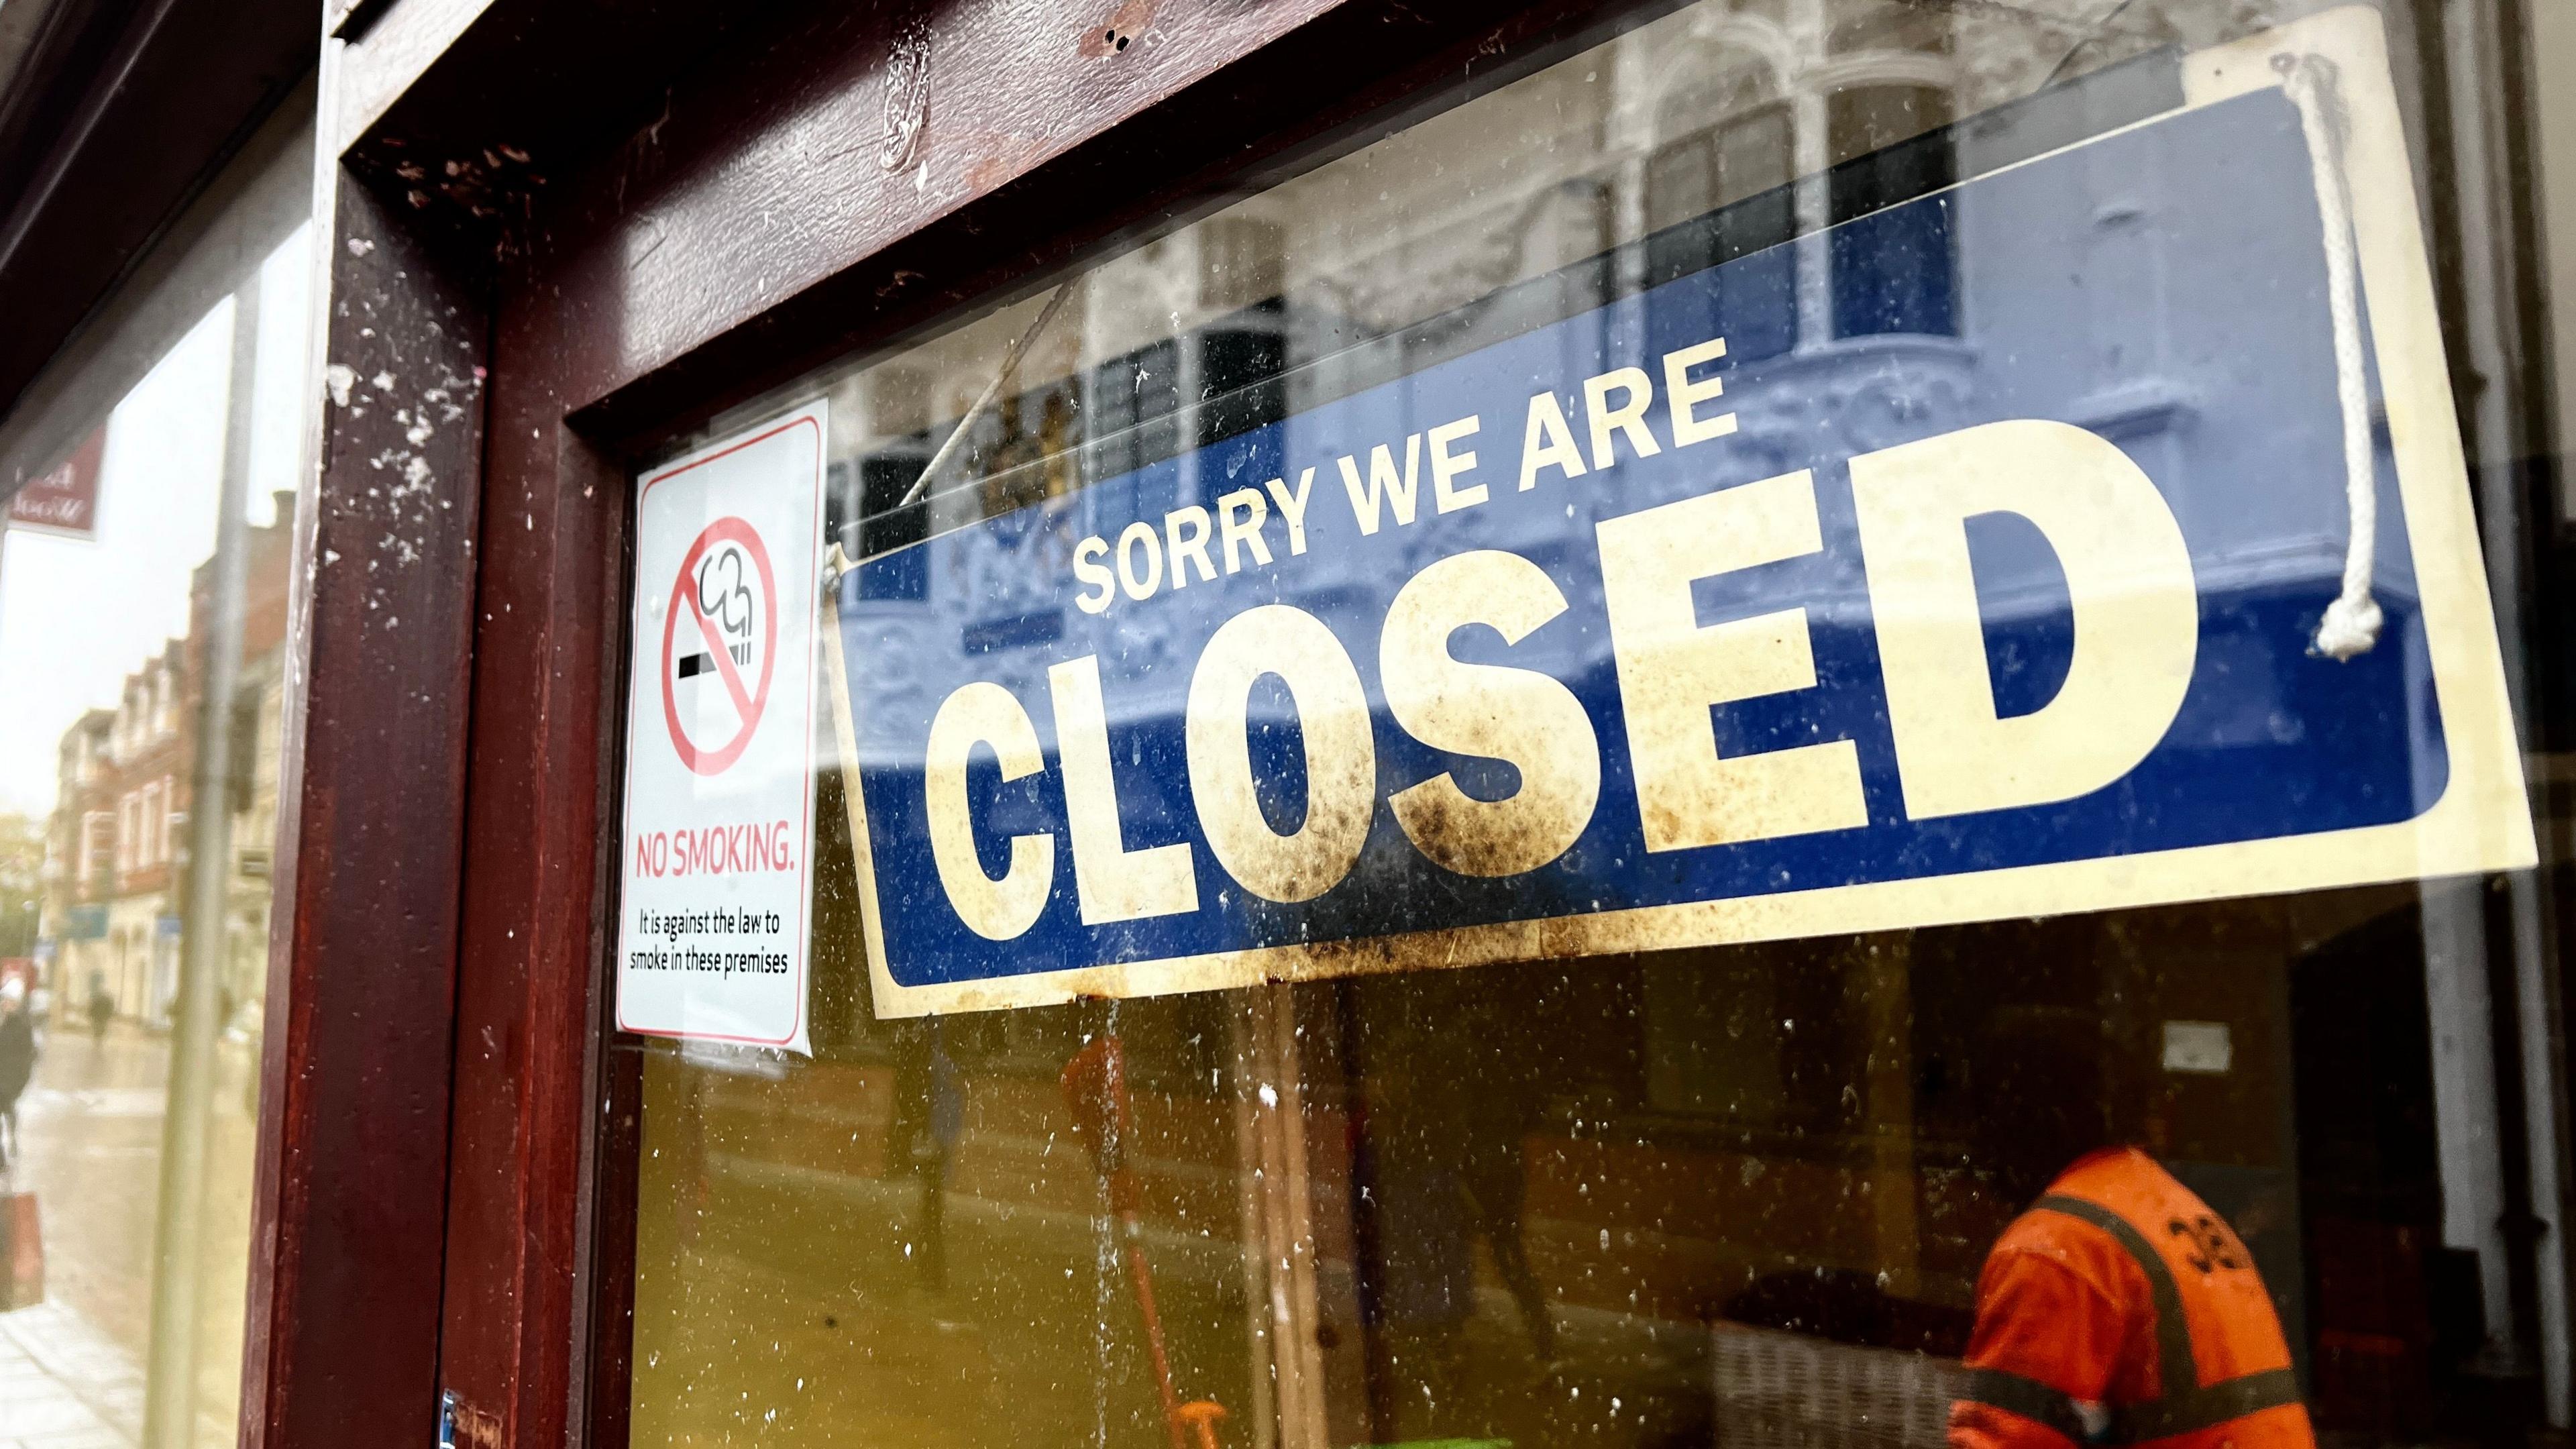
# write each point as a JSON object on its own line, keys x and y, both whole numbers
{"x": 131, "y": 770}
{"x": 117, "y": 845}
{"x": 1705, "y": 121}
{"x": 80, "y": 844}
{"x": 258, "y": 727}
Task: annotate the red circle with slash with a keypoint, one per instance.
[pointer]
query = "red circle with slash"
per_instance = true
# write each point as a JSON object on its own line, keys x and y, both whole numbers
{"x": 747, "y": 702}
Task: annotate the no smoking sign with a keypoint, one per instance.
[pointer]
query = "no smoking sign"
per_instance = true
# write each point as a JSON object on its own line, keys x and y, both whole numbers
{"x": 720, "y": 739}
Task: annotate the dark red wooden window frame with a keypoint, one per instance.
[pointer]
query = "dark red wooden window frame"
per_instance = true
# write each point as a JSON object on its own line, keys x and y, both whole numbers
{"x": 587, "y": 227}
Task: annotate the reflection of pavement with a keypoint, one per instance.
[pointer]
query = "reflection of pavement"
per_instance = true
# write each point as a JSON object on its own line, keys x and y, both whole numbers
{"x": 90, "y": 1129}
{"x": 784, "y": 1304}
{"x": 92, "y": 1125}
{"x": 64, "y": 1384}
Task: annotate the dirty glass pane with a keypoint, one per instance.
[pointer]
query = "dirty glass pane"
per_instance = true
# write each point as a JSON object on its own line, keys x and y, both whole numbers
{"x": 1747, "y": 1193}
{"x": 143, "y": 610}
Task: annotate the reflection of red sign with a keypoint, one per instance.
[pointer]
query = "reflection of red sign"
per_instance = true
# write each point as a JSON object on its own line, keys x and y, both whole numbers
{"x": 64, "y": 498}
{"x": 714, "y": 589}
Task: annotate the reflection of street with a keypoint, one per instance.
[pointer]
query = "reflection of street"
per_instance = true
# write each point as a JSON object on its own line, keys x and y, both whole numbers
{"x": 91, "y": 1132}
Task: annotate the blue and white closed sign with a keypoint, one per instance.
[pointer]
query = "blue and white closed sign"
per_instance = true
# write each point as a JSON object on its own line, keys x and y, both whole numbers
{"x": 2149, "y": 574}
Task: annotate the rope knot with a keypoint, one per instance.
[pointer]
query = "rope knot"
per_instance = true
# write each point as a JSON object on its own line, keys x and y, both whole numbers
{"x": 2350, "y": 627}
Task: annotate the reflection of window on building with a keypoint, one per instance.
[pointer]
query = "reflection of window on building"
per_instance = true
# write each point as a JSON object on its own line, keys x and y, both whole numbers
{"x": 1240, "y": 355}
{"x": 1720, "y": 194}
{"x": 1893, "y": 272}
{"x": 864, "y": 506}
{"x": 885, "y": 525}
{"x": 94, "y": 848}
{"x": 1129, "y": 405}
{"x": 1225, "y": 378}
{"x": 1719, "y": 184}
{"x": 1239, "y": 364}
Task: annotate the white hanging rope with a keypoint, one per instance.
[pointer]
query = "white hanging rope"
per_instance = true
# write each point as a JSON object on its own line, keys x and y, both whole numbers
{"x": 2351, "y": 624}
{"x": 1011, "y": 361}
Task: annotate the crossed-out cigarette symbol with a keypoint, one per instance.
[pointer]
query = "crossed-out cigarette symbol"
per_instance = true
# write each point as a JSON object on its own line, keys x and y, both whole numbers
{"x": 726, "y": 590}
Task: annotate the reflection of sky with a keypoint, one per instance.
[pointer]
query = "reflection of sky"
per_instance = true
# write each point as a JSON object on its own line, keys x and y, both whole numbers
{"x": 77, "y": 617}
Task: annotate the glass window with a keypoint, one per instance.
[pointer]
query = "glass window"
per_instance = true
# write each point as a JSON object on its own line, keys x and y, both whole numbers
{"x": 143, "y": 579}
{"x": 1466, "y": 1146}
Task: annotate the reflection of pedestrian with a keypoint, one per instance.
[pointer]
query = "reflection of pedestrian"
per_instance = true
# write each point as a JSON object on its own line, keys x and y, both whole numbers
{"x": 1453, "y": 1092}
{"x": 929, "y": 1116}
{"x": 1426, "y": 1276}
{"x": 1494, "y": 1174}
{"x": 102, "y": 1006}
{"x": 17, "y": 1061}
{"x": 2119, "y": 1308}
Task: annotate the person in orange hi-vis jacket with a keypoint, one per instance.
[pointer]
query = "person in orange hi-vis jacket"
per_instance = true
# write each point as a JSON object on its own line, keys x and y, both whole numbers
{"x": 2119, "y": 1309}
